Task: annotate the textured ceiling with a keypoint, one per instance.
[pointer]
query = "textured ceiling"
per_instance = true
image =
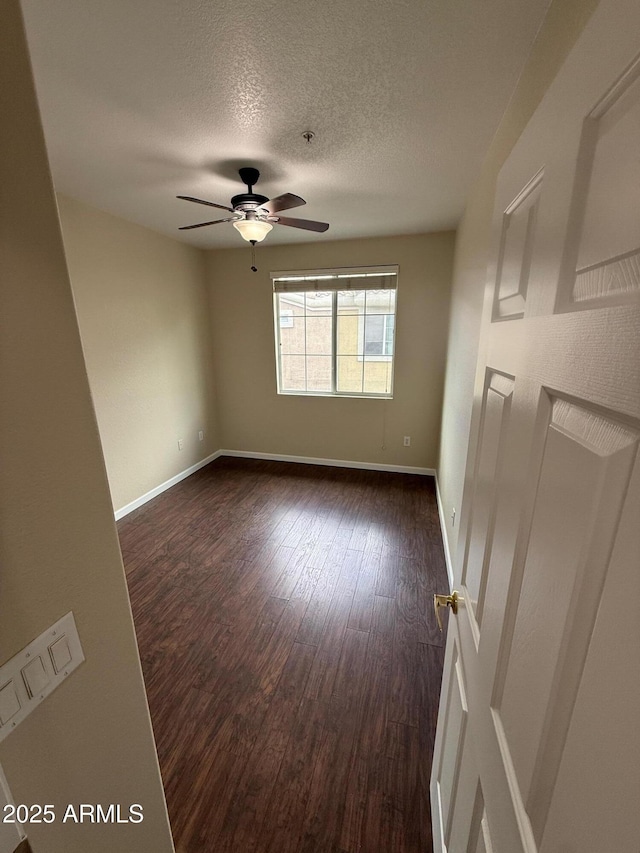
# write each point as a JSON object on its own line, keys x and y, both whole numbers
{"x": 142, "y": 101}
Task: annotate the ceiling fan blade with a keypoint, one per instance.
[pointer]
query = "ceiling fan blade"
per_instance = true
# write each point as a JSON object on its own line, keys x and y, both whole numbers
{"x": 307, "y": 224}
{"x": 283, "y": 202}
{"x": 213, "y": 222}
{"x": 201, "y": 201}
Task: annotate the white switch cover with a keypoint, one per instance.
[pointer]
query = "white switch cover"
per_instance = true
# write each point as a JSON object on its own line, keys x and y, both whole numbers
{"x": 35, "y": 676}
{"x": 31, "y": 675}
{"x": 9, "y": 702}
{"x": 60, "y": 653}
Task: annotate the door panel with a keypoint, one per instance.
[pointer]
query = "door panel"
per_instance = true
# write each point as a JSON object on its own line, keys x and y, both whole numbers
{"x": 608, "y": 258}
{"x": 583, "y": 479}
{"x": 496, "y": 409}
{"x": 538, "y": 744}
{"x": 516, "y": 246}
{"x": 453, "y": 732}
{"x": 605, "y": 816}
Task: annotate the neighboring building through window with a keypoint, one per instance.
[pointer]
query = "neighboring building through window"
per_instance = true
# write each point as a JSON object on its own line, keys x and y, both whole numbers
{"x": 335, "y": 331}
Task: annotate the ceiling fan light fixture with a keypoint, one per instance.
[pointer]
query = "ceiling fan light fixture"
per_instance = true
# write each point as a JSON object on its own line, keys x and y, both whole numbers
{"x": 253, "y": 229}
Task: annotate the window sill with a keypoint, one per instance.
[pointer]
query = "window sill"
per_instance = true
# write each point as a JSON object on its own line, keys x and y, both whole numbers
{"x": 336, "y": 396}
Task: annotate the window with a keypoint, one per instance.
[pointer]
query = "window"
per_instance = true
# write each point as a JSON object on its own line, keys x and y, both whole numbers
{"x": 335, "y": 331}
{"x": 378, "y": 335}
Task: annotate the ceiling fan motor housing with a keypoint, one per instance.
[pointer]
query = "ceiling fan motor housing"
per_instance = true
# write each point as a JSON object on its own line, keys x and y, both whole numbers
{"x": 248, "y": 201}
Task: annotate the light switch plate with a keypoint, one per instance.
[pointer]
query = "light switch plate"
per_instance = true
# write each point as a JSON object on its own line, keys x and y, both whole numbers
{"x": 37, "y": 670}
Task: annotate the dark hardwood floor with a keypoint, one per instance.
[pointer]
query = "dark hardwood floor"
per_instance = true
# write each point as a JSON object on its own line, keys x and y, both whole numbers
{"x": 291, "y": 655}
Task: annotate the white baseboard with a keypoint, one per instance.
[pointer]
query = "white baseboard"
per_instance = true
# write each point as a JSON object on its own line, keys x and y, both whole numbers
{"x": 276, "y": 457}
{"x": 445, "y": 538}
{"x": 125, "y": 510}
{"x": 334, "y": 463}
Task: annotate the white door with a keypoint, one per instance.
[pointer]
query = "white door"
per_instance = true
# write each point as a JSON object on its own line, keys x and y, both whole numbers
{"x": 538, "y": 740}
{"x": 11, "y": 833}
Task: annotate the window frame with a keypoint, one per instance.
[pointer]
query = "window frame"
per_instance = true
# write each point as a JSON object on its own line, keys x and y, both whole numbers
{"x": 347, "y": 273}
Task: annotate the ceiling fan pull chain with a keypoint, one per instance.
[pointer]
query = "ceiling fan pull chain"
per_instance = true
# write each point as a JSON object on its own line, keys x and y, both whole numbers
{"x": 254, "y": 268}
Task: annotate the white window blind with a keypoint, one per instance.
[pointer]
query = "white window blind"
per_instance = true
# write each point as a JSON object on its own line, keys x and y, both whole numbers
{"x": 382, "y": 278}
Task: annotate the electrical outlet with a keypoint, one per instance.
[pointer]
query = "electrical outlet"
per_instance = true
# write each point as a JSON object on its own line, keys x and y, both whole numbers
{"x": 201, "y": 435}
{"x": 407, "y": 441}
{"x": 453, "y": 517}
{"x": 180, "y": 444}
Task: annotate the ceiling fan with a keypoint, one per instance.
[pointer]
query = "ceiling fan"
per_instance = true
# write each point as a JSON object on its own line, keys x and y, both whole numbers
{"x": 255, "y": 215}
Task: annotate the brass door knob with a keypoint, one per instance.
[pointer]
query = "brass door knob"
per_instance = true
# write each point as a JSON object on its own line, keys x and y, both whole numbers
{"x": 445, "y": 601}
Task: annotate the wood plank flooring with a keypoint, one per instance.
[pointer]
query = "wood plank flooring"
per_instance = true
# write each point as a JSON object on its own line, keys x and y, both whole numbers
{"x": 291, "y": 655}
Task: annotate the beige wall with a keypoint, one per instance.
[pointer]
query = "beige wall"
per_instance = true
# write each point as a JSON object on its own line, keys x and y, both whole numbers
{"x": 143, "y": 312}
{"x": 253, "y": 417}
{"x": 564, "y": 22}
{"x": 90, "y": 741}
